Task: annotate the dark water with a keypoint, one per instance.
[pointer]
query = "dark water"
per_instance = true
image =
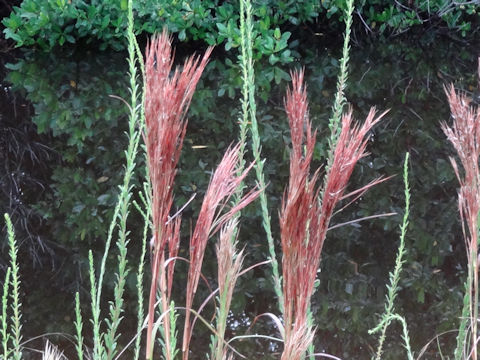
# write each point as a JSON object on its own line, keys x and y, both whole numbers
{"x": 60, "y": 188}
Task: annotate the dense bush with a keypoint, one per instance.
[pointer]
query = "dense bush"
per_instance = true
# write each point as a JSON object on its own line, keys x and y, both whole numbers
{"x": 50, "y": 23}
{"x": 396, "y": 17}
{"x": 46, "y": 24}
{"x": 77, "y": 110}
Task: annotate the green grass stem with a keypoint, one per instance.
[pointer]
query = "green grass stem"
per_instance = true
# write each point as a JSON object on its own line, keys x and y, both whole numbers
{"x": 140, "y": 276}
{"x": 247, "y": 61}
{"x": 5, "y": 334}
{"x": 16, "y": 319}
{"x": 335, "y": 119}
{"x": 97, "y": 336}
{"x": 105, "y": 345}
{"x": 392, "y": 289}
{"x": 78, "y": 327}
{"x": 462, "y": 330}
{"x": 340, "y": 99}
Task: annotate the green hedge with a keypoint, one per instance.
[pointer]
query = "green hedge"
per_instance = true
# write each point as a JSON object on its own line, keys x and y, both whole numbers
{"x": 47, "y": 23}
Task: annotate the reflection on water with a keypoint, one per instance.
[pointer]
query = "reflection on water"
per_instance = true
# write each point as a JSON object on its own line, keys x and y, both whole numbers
{"x": 69, "y": 95}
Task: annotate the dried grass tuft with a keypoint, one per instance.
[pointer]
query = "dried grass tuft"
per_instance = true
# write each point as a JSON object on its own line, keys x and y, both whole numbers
{"x": 211, "y": 218}
{"x": 167, "y": 98}
{"x": 464, "y": 134}
{"x": 304, "y": 219}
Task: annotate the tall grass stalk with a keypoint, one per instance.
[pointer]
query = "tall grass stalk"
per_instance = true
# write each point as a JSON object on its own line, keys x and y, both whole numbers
{"x": 145, "y": 196}
{"x": 167, "y": 99}
{"x": 140, "y": 271}
{"x": 392, "y": 289}
{"x": 222, "y": 187}
{"x": 337, "y": 110}
{"x": 4, "y": 331}
{"x": 134, "y": 135}
{"x": 244, "y": 65}
{"x": 464, "y": 320}
{"x": 105, "y": 343}
{"x": 249, "y": 104}
{"x": 340, "y": 100}
{"x": 229, "y": 267}
{"x": 78, "y": 327}
{"x": 464, "y": 134}
{"x": 304, "y": 220}
{"x": 98, "y": 349}
{"x": 16, "y": 318}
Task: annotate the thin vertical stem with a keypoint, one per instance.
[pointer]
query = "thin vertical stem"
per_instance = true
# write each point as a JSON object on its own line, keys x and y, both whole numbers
{"x": 78, "y": 327}
{"x": 15, "y": 295}
{"x": 247, "y": 55}
{"x": 395, "y": 276}
{"x": 340, "y": 100}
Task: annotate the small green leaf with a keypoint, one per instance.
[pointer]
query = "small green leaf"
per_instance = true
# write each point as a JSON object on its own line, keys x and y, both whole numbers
{"x": 182, "y": 35}
{"x": 9, "y": 34}
{"x": 277, "y": 33}
{"x": 222, "y": 28}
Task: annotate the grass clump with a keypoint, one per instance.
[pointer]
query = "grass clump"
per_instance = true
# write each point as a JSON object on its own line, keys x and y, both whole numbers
{"x": 158, "y": 112}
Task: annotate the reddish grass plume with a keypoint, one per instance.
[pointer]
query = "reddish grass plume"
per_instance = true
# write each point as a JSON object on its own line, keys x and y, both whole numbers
{"x": 464, "y": 134}
{"x": 167, "y": 100}
{"x": 211, "y": 218}
{"x": 304, "y": 217}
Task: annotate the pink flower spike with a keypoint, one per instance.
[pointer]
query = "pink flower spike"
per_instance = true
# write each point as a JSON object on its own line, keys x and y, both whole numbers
{"x": 167, "y": 98}
{"x": 222, "y": 186}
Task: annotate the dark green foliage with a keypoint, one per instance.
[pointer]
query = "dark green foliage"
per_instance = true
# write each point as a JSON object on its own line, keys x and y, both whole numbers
{"x": 77, "y": 110}
{"x": 48, "y": 23}
{"x": 387, "y": 17}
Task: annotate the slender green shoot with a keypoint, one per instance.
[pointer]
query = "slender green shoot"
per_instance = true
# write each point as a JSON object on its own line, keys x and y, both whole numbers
{"x": 250, "y": 104}
{"x": 340, "y": 99}
{"x": 462, "y": 330}
{"x": 121, "y": 208}
{"x": 405, "y": 337}
{"x": 173, "y": 332}
{"x": 335, "y": 119}
{"x": 134, "y": 48}
{"x": 15, "y": 295}
{"x": 244, "y": 65}
{"x": 97, "y": 336}
{"x": 392, "y": 289}
{"x": 140, "y": 274}
{"x": 131, "y": 153}
{"x": 106, "y": 344}
{"x": 78, "y": 327}
{"x": 5, "y": 334}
